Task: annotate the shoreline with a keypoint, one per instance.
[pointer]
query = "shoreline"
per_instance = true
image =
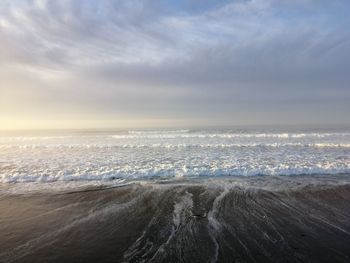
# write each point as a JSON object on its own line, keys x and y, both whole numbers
{"x": 267, "y": 182}
{"x": 223, "y": 220}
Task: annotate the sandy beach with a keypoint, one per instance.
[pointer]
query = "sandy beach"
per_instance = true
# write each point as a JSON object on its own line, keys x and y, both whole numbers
{"x": 291, "y": 219}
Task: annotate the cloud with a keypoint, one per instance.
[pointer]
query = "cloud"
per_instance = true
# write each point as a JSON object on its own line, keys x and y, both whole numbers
{"x": 195, "y": 59}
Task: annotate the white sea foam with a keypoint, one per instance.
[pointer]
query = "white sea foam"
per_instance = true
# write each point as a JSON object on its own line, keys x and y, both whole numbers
{"x": 179, "y": 134}
{"x": 159, "y": 132}
{"x": 171, "y": 154}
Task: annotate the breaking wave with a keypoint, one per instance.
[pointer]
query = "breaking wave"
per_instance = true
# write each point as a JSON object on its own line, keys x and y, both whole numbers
{"x": 171, "y": 154}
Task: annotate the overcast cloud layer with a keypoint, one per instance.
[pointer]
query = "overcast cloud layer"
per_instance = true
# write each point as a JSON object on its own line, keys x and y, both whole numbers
{"x": 223, "y": 62}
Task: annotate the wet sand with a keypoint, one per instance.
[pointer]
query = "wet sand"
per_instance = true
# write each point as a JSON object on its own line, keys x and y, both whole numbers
{"x": 300, "y": 219}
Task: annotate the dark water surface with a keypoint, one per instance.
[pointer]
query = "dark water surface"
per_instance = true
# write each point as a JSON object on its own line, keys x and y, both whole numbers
{"x": 260, "y": 219}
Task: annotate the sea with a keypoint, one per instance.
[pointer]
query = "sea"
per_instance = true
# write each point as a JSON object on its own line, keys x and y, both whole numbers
{"x": 171, "y": 154}
{"x": 175, "y": 195}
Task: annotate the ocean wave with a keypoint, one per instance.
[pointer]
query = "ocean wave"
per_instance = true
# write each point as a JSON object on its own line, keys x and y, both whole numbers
{"x": 171, "y": 146}
{"x": 156, "y": 172}
{"x": 178, "y": 134}
{"x": 178, "y": 154}
{"x": 174, "y": 134}
{"x": 159, "y": 132}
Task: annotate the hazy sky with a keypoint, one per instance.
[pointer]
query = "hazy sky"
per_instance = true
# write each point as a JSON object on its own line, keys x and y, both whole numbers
{"x": 114, "y": 63}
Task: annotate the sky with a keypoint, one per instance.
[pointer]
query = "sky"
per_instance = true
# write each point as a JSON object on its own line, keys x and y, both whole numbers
{"x": 152, "y": 63}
